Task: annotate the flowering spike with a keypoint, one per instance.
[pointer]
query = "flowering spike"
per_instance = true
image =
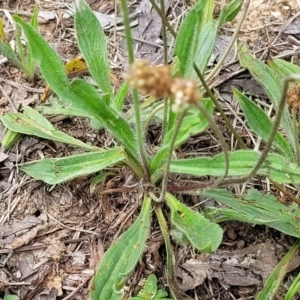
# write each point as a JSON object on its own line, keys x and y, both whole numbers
{"x": 158, "y": 82}
{"x": 293, "y": 96}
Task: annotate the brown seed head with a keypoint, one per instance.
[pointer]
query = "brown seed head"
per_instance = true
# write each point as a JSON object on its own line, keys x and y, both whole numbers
{"x": 153, "y": 80}
{"x": 185, "y": 93}
{"x": 158, "y": 82}
{"x": 293, "y": 96}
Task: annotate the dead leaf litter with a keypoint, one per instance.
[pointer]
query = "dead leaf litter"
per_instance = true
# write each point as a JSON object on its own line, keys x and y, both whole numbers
{"x": 53, "y": 237}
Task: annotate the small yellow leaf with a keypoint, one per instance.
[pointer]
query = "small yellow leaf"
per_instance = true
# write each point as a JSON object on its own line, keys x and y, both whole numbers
{"x": 75, "y": 67}
{"x": 2, "y": 33}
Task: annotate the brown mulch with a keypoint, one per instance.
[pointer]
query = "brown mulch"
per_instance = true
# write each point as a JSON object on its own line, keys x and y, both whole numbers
{"x": 53, "y": 237}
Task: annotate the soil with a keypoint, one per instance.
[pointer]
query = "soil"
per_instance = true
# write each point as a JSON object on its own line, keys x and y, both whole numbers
{"x": 53, "y": 237}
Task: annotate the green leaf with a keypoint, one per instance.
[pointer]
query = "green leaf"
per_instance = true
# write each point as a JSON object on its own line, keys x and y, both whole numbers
{"x": 2, "y": 33}
{"x": 161, "y": 294}
{"x": 98, "y": 179}
{"x": 11, "y": 297}
{"x": 293, "y": 289}
{"x": 206, "y": 12}
{"x": 229, "y": 11}
{"x": 120, "y": 96}
{"x": 86, "y": 97}
{"x": 150, "y": 292}
{"x": 11, "y": 56}
{"x": 33, "y": 123}
{"x": 92, "y": 44}
{"x": 27, "y": 60}
{"x": 201, "y": 233}
{"x": 121, "y": 258}
{"x": 149, "y": 289}
{"x": 34, "y": 19}
{"x": 10, "y": 138}
{"x": 209, "y": 32}
{"x": 79, "y": 93}
{"x": 261, "y": 124}
{"x": 255, "y": 208}
{"x": 188, "y": 35}
{"x": 282, "y": 69}
{"x": 49, "y": 62}
{"x": 171, "y": 118}
{"x": 205, "y": 45}
{"x": 268, "y": 79}
{"x": 241, "y": 162}
{"x": 58, "y": 170}
{"x": 34, "y": 23}
{"x": 58, "y": 107}
{"x": 191, "y": 125}
{"x": 273, "y": 283}
{"x": 179, "y": 236}
{"x": 19, "y": 46}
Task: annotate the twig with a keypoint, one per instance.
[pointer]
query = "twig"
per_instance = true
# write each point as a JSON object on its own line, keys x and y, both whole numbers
{"x": 16, "y": 283}
{"x": 217, "y": 67}
{"x": 71, "y": 228}
{"x": 284, "y": 27}
{"x": 8, "y": 98}
{"x": 78, "y": 288}
{"x": 142, "y": 41}
{"x": 19, "y": 86}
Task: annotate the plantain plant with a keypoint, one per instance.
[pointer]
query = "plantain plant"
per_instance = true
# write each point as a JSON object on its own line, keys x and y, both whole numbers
{"x": 181, "y": 100}
{"x": 23, "y": 60}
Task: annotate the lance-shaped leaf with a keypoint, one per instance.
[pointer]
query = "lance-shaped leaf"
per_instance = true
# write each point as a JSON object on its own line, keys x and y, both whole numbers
{"x": 120, "y": 96}
{"x": 192, "y": 124}
{"x": 261, "y": 124}
{"x": 58, "y": 170}
{"x": 273, "y": 283}
{"x": 121, "y": 258}
{"x": 209, "y": 32}
{"x": 188, "y": 35}
{"x": 49, "y": 62}
{"x": 282, "y": 69}
{"x": 229, "y": 11}
{"x": 268, "y": 79}
{"x": 201, "y": 233}
{"x": 293, "y": 289}
{"x": 9, "y": 53}
{"x": 241, "y": 162}
{"x": 10, "y": 138}
{"x": 58, "y": 107}
{"x": 33, "y": 123}
{"x": 255, "y": 208}
{"x": 86, "y": 97}
{"x": 205, "y": 45}
{"x": 93, "y": 45}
